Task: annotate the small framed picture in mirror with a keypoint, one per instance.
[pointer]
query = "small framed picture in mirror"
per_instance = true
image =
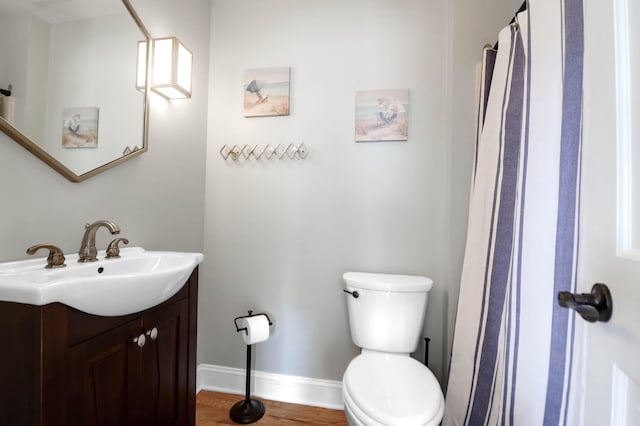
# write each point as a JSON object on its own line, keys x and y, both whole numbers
{"x": 80, "y": 127}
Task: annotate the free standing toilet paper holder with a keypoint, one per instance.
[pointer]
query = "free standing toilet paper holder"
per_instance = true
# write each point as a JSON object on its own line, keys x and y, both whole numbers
{"x": 251, "y": 314}
{"x": 248, "y": 410}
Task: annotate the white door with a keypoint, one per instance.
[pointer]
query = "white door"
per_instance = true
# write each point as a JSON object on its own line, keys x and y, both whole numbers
{"x": 607, "y": 355}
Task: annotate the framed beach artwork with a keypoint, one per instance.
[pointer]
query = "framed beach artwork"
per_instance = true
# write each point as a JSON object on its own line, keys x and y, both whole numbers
{"x": 382, "y": 115}
{"x": 266, "y": 91}
{"x": 80, "y": 127}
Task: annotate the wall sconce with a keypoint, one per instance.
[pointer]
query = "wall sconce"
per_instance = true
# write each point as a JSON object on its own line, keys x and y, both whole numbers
{"x": 141, "y": 71}
{"x": 171, "y": 64}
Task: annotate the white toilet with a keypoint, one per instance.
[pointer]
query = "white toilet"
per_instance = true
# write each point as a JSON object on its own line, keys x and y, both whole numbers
{"x": 384, "y": 386}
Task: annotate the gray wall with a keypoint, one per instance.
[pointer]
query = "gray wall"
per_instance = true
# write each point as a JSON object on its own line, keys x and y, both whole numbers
{"x": 157, "y": 198}
{"x": 279, "y": 234}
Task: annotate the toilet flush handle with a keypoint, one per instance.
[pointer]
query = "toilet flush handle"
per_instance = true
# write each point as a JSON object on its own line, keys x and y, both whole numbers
{"x": 355, "y": 294}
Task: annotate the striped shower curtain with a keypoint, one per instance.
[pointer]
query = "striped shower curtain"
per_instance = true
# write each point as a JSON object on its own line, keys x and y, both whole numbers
{"x": 512, "y": 350}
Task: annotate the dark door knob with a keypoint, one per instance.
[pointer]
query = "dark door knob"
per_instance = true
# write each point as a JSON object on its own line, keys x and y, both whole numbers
{"x": 594, "y": 306}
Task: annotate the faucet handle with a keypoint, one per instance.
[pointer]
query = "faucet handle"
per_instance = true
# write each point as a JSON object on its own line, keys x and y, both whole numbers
{"x": 55, "y": 258}
{"x": 113, "y": 250}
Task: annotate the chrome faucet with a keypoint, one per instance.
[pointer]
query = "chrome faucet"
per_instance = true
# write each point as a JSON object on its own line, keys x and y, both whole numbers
{"x": 88, "y": 252}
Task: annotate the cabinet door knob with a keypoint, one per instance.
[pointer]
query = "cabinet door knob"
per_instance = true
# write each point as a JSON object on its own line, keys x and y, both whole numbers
{"x": 140, "y": 340}
{"x": 153, "y": 333}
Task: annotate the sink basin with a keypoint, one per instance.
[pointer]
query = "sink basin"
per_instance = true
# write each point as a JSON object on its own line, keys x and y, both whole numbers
{"x": 136, "y": 281}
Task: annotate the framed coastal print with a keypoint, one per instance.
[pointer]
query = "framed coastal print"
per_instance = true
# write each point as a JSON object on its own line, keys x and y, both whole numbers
{"x": 382, "y": 115}
{"x": 266, "y": 91}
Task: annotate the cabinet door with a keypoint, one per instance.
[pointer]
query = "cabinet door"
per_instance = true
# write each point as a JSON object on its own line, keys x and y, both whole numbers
{"x": 165, "y": 365}
{"x": 103, "y": 380}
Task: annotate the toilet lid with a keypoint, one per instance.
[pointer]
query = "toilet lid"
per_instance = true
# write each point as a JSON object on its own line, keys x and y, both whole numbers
{"x": 394, "y": 389}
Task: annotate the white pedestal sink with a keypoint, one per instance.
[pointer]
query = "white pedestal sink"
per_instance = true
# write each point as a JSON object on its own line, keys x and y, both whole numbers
{"x": 138, "y": 280}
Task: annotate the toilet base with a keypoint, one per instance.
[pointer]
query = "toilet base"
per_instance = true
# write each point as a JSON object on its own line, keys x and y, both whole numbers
{"x": 247, "y": 411}
{"x": 401, "y": 392}
{"x": 351, "y": 420}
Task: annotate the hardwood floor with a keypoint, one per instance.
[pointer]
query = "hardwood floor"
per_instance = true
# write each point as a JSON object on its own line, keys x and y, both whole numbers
{"x": 212, "y": 408}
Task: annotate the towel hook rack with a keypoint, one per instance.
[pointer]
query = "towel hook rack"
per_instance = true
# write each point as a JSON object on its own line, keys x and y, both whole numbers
{"x": 280, "y": 151}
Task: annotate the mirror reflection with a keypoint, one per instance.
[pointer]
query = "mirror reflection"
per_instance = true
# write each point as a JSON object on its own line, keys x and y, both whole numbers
{"x": 70, "y": 68}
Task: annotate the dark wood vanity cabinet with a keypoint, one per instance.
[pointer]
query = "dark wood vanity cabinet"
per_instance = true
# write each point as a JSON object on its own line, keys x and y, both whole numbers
{"x": 61, "y": 366}
{"x": 112, "y": 380}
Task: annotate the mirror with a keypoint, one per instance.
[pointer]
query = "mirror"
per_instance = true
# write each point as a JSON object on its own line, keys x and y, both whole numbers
{"x": 71, "y": 68}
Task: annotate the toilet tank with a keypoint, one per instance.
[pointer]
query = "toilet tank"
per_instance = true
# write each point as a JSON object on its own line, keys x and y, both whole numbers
{"x": 388, "y": 314}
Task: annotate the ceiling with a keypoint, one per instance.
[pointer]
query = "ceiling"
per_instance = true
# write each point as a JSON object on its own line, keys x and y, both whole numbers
{"x": 55, "y": 11}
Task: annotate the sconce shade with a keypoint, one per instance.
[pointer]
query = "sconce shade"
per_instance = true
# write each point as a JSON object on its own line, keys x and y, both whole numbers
{"x": 141, "y": 72}
{"x": 171, "y": 72}
{"x": 171, "y": 68}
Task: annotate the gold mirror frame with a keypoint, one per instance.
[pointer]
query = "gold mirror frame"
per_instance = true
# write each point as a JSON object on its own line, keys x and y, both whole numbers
{"x": 52, "y": 162}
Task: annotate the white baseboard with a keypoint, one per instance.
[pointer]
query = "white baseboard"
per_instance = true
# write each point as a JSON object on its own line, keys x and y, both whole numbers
{"x": 276, "y": 387}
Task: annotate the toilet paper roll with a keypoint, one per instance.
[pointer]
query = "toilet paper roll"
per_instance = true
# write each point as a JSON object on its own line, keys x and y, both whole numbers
{"x": 7, "y": 108}
{"x": 257, "y": 329}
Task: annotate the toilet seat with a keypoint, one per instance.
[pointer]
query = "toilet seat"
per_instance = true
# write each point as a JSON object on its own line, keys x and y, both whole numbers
{"x": 390, "y": 389}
